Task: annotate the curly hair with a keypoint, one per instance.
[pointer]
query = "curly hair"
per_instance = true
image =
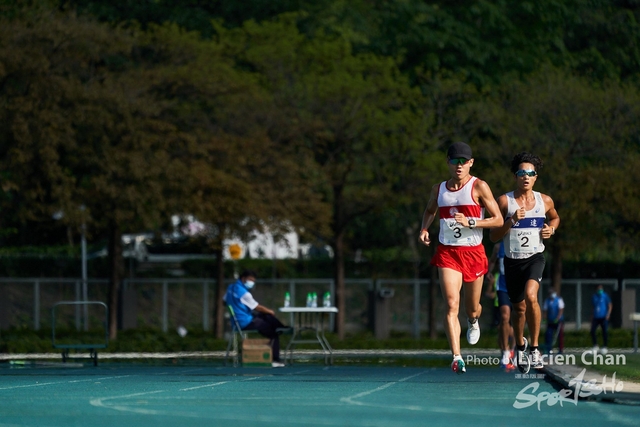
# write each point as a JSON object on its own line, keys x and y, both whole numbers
{"x": 525, "y": 157}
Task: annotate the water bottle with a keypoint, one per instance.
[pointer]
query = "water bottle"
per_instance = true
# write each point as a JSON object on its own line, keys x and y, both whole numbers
{"x": 314, "y": 300}
{"x": 287, "y": 299}
{"x": 309, "y": 299}
{"x": 326, "y": 299}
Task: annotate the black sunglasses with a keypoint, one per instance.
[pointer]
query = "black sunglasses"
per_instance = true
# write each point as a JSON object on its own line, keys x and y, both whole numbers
{"x": 459, "y": 161}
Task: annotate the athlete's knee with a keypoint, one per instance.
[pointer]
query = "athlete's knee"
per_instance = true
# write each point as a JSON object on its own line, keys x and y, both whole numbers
{"x": 519, "y": 307}
{"x": 452, "y": 302}
{"x": 452, "y": 312}
{"x": 531, "y": 297}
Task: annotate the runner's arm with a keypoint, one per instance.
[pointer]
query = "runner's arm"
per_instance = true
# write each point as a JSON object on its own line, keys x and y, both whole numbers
{"x": 549, "y": 228}
{"x": 484, "y": 197}
{"x": 429, "y": 215}
{"x": 499, "y": 232}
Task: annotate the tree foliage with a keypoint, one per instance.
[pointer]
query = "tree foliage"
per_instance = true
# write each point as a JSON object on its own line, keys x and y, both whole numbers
{"x": 484, "y": 40}
{"x": 352, "y": 116}
{"x": 83, "y": 129}
{"x": 586, "y": 135}
{"x": 328, "y": 117}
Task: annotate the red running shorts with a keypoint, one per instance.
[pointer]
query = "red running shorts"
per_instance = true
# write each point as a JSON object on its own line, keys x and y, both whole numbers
{"x": 471, "y": 261}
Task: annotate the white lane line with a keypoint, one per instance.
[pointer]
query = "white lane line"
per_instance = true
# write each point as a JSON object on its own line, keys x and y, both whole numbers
{"x": 100, "y": 403}
{"x": 104, "y": 402}
{"x": 30, "y": 385}
{"x": 351, "y": 399}
{"x": 203, "y": 386}
{"x": 184, "y": 371}
{"x": 62, "y": 382}
{"x": 100, "y": 379}
{"x": 215, "y": 384}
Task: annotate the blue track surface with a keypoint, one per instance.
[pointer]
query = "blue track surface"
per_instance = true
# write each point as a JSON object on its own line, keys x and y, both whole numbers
{"x": 142, "y": 395}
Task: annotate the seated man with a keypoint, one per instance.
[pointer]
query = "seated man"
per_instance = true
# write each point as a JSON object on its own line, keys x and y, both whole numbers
{"x": 253, "y": 316}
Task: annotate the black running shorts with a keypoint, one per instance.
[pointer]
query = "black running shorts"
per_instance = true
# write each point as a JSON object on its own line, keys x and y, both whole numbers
{"x": 517, "y": 272}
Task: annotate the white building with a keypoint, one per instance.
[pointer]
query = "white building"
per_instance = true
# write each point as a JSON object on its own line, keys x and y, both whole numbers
{"x": 259, "y": 246}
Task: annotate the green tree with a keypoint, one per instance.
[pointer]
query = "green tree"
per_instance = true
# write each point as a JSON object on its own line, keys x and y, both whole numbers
{"x": 192, "y": 15}
{"x": 82, "y": 128}
{"x": 233, "y": 176}
{"x": 586, "y": 135}
{"x": 137, "y": 126}
{"x": 352, "y": 115}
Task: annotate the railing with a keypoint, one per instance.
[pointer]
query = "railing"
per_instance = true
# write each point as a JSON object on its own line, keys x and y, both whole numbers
{"x": 73, "y": 291}
{"x": 575, "y": 301}
{"x": 168, "y": 303}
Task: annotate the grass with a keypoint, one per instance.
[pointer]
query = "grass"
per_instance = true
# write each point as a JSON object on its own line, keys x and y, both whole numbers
{"x": 630, "y": 371}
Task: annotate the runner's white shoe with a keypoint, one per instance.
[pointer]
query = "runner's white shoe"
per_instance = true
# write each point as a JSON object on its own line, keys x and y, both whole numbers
{"x": 522, "y": 359}
{"x": 536, "y": 359}
{"x": 473, "y": 331}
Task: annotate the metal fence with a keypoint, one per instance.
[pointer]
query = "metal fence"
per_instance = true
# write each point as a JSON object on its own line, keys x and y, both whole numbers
{"x": 28, "y": 302}
{"x": 168, "y": 303}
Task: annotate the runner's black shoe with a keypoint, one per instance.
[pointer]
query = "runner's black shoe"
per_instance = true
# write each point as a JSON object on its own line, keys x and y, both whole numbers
{"x": 522, "y": 359}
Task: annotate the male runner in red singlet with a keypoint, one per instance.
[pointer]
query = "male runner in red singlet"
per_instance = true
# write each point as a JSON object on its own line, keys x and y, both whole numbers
{"x": 462, "y": 262}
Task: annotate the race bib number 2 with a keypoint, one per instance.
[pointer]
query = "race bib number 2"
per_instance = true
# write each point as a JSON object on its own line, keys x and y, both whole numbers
{"x": 525, "y": 240}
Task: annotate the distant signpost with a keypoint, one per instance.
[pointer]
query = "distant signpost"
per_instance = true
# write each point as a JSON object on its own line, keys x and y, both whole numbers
{"x": 235, "y": 251}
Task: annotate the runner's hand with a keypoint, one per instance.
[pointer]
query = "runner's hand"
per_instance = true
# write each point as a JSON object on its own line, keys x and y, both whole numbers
{"x": 424, "y": 237}
{"x": 461, "y": 219}
{"x": 519, "y": 214}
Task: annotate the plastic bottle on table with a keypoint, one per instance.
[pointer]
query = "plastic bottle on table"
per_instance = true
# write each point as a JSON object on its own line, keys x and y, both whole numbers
{"x": 314, "y": 301}
{"x": 287, "y": 299}
{"x": 326, "y": 299}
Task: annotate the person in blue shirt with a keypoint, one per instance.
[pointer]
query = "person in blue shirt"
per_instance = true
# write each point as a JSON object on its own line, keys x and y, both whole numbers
{"x": 553, "y": 311}
{"x": 601, "y": 313}
{"x": 253, "y": 316}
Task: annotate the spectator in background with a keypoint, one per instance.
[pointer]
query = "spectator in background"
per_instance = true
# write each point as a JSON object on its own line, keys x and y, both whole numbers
{"x": 502, "y": 306}
{"x": 553, "y": 311}
{"x": 602, "y": 306}
{"x": 253, "y": 316}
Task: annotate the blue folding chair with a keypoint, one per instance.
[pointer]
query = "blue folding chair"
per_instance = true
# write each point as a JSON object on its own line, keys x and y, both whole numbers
{"x": 236, "y": 336}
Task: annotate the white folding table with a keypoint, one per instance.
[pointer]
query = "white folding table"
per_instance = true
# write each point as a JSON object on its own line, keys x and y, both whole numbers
{"x": 309, "y": 319}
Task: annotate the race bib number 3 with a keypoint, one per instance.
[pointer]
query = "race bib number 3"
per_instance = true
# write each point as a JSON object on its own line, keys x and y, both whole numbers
{"x": 455, "y": 233}
{"x": 524, "y": 240}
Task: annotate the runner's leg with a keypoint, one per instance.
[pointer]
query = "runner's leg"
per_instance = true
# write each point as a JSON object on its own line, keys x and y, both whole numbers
{"x": 450, "y": 284}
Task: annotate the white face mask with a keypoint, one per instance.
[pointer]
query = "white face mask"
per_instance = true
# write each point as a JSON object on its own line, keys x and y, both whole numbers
{"x": 249, "y": 284}
{"x": 553, "y": 295}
